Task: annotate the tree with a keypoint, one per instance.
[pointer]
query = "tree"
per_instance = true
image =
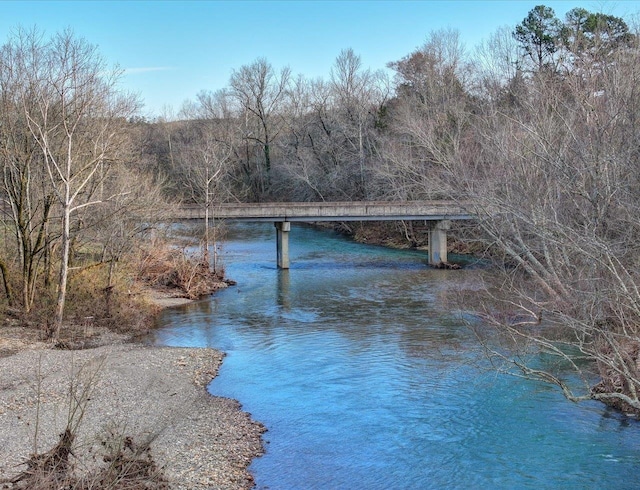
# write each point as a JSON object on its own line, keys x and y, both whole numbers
{"x": 300, "y": 175}
{"x": 358, "y": 98}
{"x": 592, "y": 37}
{"x": 209, "y": 162}
{"x": 25, "y": 183}
{"x": 538, "y": 35}
{"x": 313, "y": 165}
{"x": 116, "y": 226}
{"x": 261, "y": 92}
{"x": 497, "y": 66}
{"x": 428, "y": 119}
{"x": 216, "y": 122}
{"x": 554, "y": 181}
{"x": 75, "y": 115}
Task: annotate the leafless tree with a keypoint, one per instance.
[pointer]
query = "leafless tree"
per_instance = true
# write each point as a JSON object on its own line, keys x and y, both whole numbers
{"x": 27, "y": 191}
{"x": 555, "y": 184}
{"x": 358, "y": 97}
{"x": 307, "y": 171}
{"x": 329, "y": 149}
{"x": 209, "y": 161}
{"x": 262, "y": 93}
{"x": 76, "y": 116}
{"x": 496, "y": 65}
{"x": 428, "y": 120}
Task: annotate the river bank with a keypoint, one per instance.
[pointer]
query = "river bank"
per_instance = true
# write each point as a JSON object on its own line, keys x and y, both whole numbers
{"x": 154, "y": 395}
{"x": 365, "y": 369}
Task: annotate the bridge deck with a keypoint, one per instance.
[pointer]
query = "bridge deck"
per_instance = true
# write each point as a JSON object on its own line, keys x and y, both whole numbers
{"x": 329, "y": 211}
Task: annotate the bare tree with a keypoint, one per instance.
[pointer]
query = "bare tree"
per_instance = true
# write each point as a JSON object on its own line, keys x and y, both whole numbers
{"x": 428, "y": 120}
{"x": 309, "y": 170}
{"x": 26, "y": 186}
{"x": 496, "y": 62}
{"x": 217, "y": 124}
{"x": 261, "y": 92}
{"x": 75, "y": 114}
{"x": 135, "y": 210}
{"x": 209, "y": 161}
{"x": 554, "y": 181}
{"x": 358, "y": 98}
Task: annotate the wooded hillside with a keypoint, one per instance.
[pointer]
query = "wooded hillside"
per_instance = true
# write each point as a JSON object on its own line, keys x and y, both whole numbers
{"x": 537, "y": 126}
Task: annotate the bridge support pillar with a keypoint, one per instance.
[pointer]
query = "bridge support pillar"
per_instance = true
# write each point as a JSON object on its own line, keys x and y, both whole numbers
{"x": 282, "y": 243}
{"x": 438, "y": 242}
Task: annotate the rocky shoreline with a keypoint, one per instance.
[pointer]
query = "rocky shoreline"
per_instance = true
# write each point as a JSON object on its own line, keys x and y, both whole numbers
{"x": 154, "y": 395}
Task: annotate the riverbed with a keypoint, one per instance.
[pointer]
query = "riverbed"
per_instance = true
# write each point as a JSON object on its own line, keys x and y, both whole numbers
{"x": 360, "y": 365}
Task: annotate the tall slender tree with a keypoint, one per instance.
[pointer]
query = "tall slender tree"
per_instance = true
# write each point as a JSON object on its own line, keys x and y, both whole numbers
{"x": 75, "y": 115}
{"x": 359, "y": 96}
{"x": 261, "y": 92}
{"x": 539, "y": 35}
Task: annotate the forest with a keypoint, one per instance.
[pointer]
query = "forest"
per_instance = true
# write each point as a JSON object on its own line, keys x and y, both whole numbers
{"x": 535, "y": 130}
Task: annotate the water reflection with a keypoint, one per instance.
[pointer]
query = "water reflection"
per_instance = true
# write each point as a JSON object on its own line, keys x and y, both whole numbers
{"x": 283, "y": 296}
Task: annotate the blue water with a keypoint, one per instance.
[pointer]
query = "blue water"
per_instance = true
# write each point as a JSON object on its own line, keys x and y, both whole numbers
{"x": 359, "y": 366}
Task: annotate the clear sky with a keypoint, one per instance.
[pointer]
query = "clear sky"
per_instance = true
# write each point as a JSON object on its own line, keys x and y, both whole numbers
{"x": 173, "y": 49}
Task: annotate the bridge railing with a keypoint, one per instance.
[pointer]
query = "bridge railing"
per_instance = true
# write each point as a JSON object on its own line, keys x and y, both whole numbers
{"x": 329, "y": 211}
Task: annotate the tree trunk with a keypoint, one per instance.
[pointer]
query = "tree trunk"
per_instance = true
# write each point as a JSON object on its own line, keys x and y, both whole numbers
{"x": 64, "y": 270}
{"x": 5, "y": 281}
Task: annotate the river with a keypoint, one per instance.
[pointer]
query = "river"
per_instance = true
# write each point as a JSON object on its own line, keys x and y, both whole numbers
{"x": 366, "y": 377}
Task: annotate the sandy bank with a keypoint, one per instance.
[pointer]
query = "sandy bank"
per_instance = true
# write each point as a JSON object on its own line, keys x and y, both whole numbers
{"x": 143, "y": 392}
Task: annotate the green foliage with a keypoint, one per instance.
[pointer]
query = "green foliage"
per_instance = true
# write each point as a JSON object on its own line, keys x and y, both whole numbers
{"x": 542, "y": 36}
{"x": 596, "y": 33}
{"x": 538, "y": 34}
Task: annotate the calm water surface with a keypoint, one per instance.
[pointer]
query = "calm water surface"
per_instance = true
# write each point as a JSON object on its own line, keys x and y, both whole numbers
{"x": 366, "y": 378}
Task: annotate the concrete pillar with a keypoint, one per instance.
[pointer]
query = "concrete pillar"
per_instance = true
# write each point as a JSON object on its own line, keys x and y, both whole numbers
{"x": 438, "y": 242}
{"x": 282, "y": 243}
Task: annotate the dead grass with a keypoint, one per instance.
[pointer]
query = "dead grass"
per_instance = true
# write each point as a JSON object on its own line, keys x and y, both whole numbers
{"x": 165, "y": 266}
{"x": 127, "y": 465}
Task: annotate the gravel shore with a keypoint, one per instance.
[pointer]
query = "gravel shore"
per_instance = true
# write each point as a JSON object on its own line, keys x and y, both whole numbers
{"x": 146, "y": 393}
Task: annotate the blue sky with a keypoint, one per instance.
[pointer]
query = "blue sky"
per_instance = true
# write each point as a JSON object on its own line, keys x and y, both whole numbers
{"x": 173, "y": 49}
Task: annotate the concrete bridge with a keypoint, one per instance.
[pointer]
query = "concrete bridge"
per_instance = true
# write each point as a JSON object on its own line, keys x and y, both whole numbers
{"x": 282, "y": 214}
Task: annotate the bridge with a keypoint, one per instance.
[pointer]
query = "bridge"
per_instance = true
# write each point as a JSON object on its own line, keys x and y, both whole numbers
{"x": 282, "y": 214}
